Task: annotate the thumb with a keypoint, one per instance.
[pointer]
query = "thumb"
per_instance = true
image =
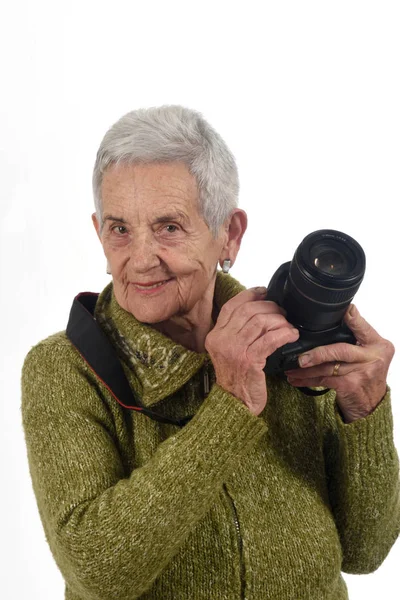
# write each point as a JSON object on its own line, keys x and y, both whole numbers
{"x": 364, "y": 332}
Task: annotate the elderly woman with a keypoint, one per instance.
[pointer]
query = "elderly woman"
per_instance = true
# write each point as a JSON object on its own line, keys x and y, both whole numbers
{"x": 265, "y": 493}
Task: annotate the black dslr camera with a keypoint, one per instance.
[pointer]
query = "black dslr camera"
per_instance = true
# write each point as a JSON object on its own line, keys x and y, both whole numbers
{"x": 315, "y": 289}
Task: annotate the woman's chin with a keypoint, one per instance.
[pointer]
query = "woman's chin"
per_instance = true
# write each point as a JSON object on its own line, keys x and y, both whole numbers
{"x": 150, "y": 316}
{"x": 147, "y": 306}
{"x": 150, "y": 312}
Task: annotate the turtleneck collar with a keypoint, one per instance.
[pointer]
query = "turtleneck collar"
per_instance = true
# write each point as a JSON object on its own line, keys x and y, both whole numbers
{"x": 161, "y": 366}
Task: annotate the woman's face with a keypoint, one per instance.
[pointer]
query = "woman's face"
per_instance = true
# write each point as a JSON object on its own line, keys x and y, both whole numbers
{"x": 153, "y": 234}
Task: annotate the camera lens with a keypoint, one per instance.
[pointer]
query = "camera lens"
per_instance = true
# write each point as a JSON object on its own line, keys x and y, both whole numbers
{"x": 331, "y": 260}
{"x": 325, "y": 274}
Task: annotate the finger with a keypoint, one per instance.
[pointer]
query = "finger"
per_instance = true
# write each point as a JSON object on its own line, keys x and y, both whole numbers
{"x": 271, "y": 341}
{"x": 325, "y": 370}
{"x": 363, "y": 331}
{"x": 244, "y": 296}
{"x": 335, "y": 353}
{"x": 243, "y": 313}
{"x": 258, "y": 325}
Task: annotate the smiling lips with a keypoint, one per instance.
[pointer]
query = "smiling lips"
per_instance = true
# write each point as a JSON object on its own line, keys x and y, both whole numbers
{"x": 149, "y": 286}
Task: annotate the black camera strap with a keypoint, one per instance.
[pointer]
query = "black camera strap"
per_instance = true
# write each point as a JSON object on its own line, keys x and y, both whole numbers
{"x": 311, "y": 392}
{"x": 99, "y": 354}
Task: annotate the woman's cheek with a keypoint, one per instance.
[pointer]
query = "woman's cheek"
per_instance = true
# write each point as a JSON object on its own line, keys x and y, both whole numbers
{"x": 116, "y": 242}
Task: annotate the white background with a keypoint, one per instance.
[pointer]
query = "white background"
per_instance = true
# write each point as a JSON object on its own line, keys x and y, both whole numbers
{"x": 307, "y": 96}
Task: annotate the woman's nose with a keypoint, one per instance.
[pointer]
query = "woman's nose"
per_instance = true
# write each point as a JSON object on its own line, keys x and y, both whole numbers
{"x": 143, "y": 253}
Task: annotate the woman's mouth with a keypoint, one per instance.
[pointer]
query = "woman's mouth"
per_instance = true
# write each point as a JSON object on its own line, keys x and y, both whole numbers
{"x": 150, "y": 287}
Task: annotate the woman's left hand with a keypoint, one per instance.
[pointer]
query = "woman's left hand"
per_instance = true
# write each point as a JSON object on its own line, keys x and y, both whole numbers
{"x": 357, "y": 372}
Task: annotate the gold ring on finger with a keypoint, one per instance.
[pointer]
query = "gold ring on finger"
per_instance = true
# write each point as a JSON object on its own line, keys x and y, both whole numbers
{"x": 336, "y": 369}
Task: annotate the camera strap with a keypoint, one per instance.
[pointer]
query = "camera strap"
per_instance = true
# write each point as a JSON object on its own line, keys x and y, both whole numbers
{"x": 95, "y": 348}
{"x": 310, "y": 392}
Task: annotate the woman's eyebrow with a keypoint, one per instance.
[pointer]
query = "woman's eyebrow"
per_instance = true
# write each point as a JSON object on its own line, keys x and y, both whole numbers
{"x": 177, "y": 216}
{"x": 112, "y": 218}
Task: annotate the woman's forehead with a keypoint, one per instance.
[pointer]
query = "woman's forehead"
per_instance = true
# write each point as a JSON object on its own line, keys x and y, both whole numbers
{"x": 157, "y": 192}
{"x": 153, "y": 176}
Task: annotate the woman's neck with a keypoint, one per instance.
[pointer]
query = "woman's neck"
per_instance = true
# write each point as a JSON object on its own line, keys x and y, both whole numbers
{"x": 192, "y": 329}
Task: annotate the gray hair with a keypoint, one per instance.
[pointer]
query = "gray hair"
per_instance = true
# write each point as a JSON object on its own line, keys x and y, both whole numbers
{"x": 174, "y": 133}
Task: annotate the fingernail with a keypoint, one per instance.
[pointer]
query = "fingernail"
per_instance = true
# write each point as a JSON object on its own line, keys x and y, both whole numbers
{"x": 260, "y": 290}
{"x": 351, "y": 312}
{"x": 304, "y": 360}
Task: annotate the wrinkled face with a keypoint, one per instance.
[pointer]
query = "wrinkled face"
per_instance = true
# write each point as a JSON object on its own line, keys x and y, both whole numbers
{"x": 153, "y": 235}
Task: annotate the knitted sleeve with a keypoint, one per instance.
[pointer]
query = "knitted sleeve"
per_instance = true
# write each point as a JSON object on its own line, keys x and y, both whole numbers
{"x": 111, "y": 536}
{"x": 363, "y": 480}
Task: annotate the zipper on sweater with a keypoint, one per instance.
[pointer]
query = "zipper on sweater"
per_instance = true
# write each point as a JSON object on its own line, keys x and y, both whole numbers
{"x": 240, "y": 542}
{"x": 206, "y": 377}
{"x": 206, "y": 383}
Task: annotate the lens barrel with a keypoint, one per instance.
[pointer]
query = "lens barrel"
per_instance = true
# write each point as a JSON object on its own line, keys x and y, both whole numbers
{"x": 326, "y": 271}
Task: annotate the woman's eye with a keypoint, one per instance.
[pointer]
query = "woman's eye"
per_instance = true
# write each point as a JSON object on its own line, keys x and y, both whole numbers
{"x": 118, "y": 227}
{"x": 174, "y": 228}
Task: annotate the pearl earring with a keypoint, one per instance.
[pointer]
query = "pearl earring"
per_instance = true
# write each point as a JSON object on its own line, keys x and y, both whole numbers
{"x": 108, "y": 269}
{"x": 226, "y": 266}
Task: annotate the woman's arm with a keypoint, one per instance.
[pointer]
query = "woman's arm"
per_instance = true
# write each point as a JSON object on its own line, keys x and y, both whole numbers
{"x": 111, "y": 536}
{"x": 363, "y": 480}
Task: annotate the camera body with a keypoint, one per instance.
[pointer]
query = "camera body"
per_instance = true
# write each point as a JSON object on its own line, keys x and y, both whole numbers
{"x": 315, "y": 289}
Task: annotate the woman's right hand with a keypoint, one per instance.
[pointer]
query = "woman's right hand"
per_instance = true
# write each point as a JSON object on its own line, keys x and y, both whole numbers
{"x": 247, "y": 331}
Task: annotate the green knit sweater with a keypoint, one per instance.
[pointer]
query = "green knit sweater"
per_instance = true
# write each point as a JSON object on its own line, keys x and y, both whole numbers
{"x": 230, "y": 506}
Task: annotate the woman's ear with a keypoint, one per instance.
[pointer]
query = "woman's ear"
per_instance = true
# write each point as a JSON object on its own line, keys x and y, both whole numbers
{"x": 235, "y": 227}
{"x": 96, "y": 225}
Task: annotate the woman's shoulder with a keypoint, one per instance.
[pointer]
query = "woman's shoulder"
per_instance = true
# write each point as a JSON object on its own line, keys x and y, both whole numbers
{"x": 49, "y": 351}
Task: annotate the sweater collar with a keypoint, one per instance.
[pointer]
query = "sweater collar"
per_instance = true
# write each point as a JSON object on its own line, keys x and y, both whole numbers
{"x": 161, "y": 366}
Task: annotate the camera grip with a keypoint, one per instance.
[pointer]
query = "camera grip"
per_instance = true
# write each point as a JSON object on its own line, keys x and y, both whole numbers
{"x": 286, "y": 357}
